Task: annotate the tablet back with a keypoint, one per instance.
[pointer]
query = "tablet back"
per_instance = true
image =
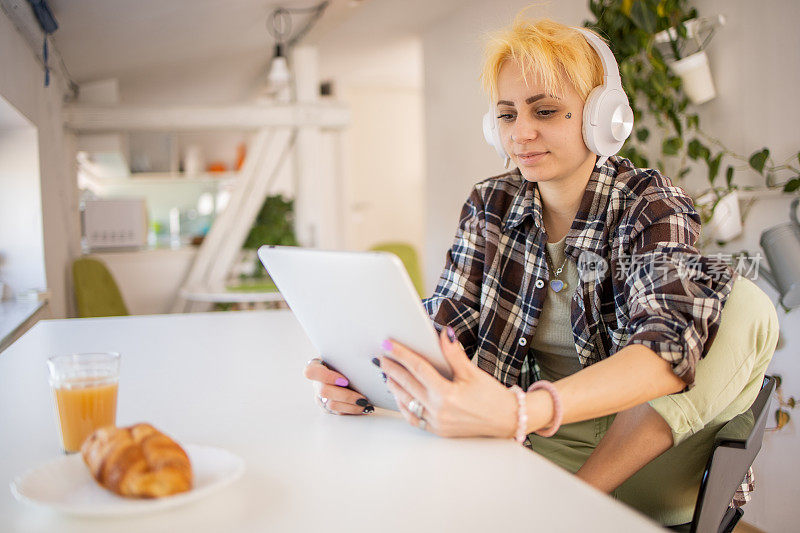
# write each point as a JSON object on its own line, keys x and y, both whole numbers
{"x": 348, "y": 303}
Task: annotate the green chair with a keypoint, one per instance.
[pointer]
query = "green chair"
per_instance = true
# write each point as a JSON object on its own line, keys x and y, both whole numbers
{"x": 96, "y": 292}
{"x": 408, "y": 256}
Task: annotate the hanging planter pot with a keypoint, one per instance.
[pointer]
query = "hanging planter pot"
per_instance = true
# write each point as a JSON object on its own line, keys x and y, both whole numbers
{"x": 726, "y": 220}
{"x": 689, "y": 61}
{"x": 696, "y": 75}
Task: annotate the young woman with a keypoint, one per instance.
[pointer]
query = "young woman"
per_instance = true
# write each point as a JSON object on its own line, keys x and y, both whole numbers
{"x": 577, "y": 276}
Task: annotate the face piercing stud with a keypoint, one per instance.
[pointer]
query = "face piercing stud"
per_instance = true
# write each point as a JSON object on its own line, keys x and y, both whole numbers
{"x": 568, "y": 115}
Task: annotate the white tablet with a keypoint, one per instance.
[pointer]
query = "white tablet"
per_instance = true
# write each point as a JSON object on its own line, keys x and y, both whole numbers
{"x": 349, "y": 303}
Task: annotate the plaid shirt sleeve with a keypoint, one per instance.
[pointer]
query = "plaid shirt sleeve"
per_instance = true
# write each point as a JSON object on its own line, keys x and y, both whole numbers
{"x": 674, "y": 305}
{"x": 457, "y": 298}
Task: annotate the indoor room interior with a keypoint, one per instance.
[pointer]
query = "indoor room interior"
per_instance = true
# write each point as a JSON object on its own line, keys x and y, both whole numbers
{"x": 152, "y": 152}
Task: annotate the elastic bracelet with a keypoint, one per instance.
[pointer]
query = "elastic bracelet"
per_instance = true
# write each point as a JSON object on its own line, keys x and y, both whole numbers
{"x": 557, "y": 409}
{"x": 522, "y": 415}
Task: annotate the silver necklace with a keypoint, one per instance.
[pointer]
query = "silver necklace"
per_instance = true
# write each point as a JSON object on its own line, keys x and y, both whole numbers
{"x": 555, "y": 284}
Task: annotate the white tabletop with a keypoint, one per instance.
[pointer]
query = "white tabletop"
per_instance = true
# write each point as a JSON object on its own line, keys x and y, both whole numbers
{"x": 234, "y": 380}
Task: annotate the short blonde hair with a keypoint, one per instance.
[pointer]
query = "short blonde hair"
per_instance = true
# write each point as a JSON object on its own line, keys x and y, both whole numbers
{"x": 548, "y": 50}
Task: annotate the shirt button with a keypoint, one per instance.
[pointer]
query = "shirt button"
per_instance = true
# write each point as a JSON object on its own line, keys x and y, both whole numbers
{"x": 523, "y": 341}
{"x": 539, "y": 283}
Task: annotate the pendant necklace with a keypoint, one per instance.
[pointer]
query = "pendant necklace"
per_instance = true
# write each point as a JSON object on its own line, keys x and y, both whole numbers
{"x": 555, "y": 284}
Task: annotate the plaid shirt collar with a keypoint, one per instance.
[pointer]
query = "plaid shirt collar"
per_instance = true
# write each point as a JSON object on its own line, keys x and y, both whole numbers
{"x": 594, "y": 204}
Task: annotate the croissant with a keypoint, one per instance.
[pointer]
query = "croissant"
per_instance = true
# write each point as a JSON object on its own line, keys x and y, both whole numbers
{"x": 137, "y": 461}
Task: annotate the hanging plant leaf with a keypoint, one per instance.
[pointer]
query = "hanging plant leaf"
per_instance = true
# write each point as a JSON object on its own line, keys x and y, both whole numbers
{"x": 672, "y": 145}
{"x": 683, "y": 172}
{"x": 758, "y": 159}
{"x": 641, "y": 15}
{"x": 698, "y": 150}
{"x": 782, "y": 418}
{"x": 642, "y": 134}
{"x": 778, "y": 380}
{"x": 692, "y": 121}
{"x": 729, "y": 176}
{"x": 790, "y": 402}
{"x": 792, "y": 185}
{"x": 713, "y": 167}
{"x": 681, "y": 30}
{"x": 676, "y": 122}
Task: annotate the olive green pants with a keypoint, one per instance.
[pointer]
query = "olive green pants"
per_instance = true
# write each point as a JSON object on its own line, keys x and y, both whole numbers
{"x": 727, "y": 382}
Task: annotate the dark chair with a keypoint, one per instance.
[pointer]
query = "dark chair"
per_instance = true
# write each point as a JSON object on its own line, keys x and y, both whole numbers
{"x": 735, "y": 448}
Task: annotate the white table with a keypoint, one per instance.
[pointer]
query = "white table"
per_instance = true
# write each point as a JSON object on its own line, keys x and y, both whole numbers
{"x": 234, "y": 380}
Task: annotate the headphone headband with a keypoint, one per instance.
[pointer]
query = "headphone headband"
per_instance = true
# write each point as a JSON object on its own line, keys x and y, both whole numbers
{"x": 610, "y": 67}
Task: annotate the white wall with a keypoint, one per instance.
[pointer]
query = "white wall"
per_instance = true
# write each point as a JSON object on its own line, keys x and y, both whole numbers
{"x": 22, "y": 85}
{"x": 21, "y": 252}
{"x": 756, "y": 63}
{"x": 383, "y": 148}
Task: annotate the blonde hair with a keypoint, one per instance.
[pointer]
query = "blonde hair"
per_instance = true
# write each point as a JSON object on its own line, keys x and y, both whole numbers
{"x": 548, "y": 50}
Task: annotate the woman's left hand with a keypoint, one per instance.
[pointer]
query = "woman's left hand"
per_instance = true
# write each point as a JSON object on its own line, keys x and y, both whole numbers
{"x": 473, "y": 404}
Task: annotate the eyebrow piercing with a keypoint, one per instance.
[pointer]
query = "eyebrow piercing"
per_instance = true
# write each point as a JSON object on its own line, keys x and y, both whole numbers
{"x": 568, "y": 115}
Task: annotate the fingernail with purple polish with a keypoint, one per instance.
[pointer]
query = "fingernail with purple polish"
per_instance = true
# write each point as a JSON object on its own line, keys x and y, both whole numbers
{"x": 451, "y": 334}
{"x": 376, "y": 362}
{"x": 342, "y": 382}
{"x": 383, "y": 377}
{"x": 387, "y": 345}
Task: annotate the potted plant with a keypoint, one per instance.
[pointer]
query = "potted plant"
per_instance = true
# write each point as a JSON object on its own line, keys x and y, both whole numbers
{"x": 684, "y": 48}
{"x": 655, "y": 90}
{"x": 274, "y": 225}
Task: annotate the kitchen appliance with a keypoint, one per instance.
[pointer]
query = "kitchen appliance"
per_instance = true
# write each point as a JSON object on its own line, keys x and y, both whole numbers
{"x": 114, "y": 223}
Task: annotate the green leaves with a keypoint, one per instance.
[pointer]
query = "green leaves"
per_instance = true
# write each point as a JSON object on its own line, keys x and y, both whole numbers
{"x": 643, "y": 17}
{"x": 273, "y": 225}
{"x": 697, "y": 150}
{"x": 713, "y": 167}
{"x": 758, "y": 159}
{"x": 671, "y": 145}
{"x": 642, "y": 134}
{"x": 792, "y": 185}
{"x": 729, "y": 176}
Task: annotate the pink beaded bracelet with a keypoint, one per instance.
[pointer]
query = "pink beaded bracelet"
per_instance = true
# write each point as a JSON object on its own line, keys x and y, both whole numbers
{"x": 558, "y": 412}
{"x": 522, "y": 416}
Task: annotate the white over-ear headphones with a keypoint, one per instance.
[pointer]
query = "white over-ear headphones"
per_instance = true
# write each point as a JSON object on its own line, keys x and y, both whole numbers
{"x": 607, "y": 116}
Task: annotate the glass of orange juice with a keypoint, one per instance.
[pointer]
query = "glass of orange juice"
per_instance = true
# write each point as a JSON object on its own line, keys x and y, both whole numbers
{"x": 85, "y": 394}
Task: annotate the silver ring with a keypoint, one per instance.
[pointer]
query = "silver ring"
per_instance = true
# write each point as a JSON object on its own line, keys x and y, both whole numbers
{"x": 415, "y": 408}
{"x": 423, "y": 424}
{"x": 324, "y": 403}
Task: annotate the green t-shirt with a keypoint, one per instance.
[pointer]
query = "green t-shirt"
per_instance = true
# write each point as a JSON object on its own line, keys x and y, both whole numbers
{"x": 553, "y": 345}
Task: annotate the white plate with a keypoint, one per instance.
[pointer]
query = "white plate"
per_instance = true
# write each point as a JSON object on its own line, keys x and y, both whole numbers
{"x": 66, "y": 485}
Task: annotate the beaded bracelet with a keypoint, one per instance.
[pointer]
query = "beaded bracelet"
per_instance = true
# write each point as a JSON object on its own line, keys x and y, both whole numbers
{"x": 558, "y": 411}
{"x": 522, "y": 416}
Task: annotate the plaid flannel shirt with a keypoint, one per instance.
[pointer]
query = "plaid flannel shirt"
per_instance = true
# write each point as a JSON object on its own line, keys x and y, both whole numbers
{"x": 641, "y": 278}
{"x": 655, "y": 290}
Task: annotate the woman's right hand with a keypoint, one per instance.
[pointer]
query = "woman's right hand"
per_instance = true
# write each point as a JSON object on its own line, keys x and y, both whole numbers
{"x": 332, "y": 392}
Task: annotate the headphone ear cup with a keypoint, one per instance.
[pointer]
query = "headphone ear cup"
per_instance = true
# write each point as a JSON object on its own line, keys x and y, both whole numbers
{"x": 492, "y": 135}
{"x": 590, "y": 128}
{"x": 607, "y": 121}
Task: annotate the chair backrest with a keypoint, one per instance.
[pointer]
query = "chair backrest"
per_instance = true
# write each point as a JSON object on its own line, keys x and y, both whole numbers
{"x": 735, "y": 448}
{"x": 96, "y": 292}
{"x": 408, "y": 256}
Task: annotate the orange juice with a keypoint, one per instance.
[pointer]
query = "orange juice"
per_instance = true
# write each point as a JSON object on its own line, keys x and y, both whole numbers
{"x": 84, "y": 405}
